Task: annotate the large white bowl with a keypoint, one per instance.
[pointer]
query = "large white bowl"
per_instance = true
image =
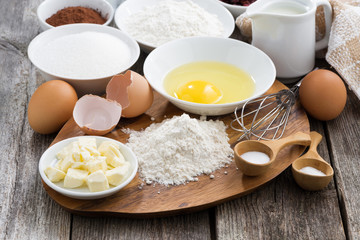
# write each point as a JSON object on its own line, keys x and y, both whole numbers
{"x": 49, "y": 7}
{"x": 130, "y": 7}
{"x": 89, "y": 85}
{"x": 49, "y": 159}
{"x": 178, "y": 52}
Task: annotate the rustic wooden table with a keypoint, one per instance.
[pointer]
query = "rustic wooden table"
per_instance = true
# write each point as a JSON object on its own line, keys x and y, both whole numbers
{"x": 279, "y": 210}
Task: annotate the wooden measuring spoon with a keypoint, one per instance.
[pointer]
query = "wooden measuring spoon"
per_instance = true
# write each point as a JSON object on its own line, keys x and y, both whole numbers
{"x": 270, "y": 148}
{"x": 312, "y": 159}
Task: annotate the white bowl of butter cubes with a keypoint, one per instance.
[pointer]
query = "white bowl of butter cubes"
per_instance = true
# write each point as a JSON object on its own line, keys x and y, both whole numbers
{"x": 88, "y": 167}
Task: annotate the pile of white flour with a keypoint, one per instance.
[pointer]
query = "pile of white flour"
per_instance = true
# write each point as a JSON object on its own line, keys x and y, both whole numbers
{"x": 169, "y": 20}
{"x": 177, "y": 150}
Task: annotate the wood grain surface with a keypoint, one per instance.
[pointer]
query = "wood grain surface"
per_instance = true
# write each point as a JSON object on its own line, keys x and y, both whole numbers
{"x": 157, "y": 200}
{"x": 279, "y": 210}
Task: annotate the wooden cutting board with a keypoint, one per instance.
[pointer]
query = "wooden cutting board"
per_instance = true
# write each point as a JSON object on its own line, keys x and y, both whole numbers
{"x": 158, "y": 200}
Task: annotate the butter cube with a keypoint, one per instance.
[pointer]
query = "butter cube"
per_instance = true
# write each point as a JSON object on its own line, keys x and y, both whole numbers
{"x": 76, "y": 156}
{"x": 85, "y": 156}
{"x": 64, "y": 152}
{"x": 54, "y": 174}
{"x": 57, "y": 164}
{"x": 104, "y": 146}
{"x": 97, "y": 181}
{"x": 75, "y": 178}
{"x": 117, "y": 175}
{"x": 89, "y": 145}
{"x": 79, "y": 165}
{"x": 87, "y": 142}
{"x": 112, "y": 153}
{"x": 98, "y": 164}
{"x": 65, "y": 164}
{"x": 72, "y": 150}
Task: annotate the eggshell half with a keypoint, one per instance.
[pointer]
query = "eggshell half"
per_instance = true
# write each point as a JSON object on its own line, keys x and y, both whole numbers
{"x": 323, "y": 94}
{"x": 132, "y": 91}
{"x": 96, "y": 115}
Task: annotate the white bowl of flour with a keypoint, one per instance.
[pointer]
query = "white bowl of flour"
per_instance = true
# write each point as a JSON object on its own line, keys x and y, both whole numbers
{"x": 155, "y": 22}
{"x": 85, "y": 55}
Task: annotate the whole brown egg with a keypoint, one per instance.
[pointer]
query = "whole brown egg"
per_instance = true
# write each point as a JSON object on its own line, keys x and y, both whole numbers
{"x": 323, "y": 95}
{"x": 51, "y": 106}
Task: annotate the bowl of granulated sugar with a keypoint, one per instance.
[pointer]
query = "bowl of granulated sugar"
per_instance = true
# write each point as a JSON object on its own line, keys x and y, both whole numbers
{"x": 155, "y": 22}
{"x": 85, "y": 55}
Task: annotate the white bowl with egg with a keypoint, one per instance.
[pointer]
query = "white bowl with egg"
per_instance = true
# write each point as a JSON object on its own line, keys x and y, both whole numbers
{"x": 244, "y": 56}
{"x": 49, "y": 159}
{"x": 130, "y": 7}
{"x": 50, "y": 7}
{"x": 85, "y": 55}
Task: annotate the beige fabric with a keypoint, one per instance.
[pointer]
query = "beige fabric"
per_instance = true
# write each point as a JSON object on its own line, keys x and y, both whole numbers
{"x": 344, "y": 43}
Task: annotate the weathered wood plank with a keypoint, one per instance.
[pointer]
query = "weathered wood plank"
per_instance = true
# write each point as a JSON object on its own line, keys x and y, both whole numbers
{"x": 191, "y": 226}
{"x": 344, "y": 135}
{"x": 281, "y": 210}
{"x": 26, "y": 210}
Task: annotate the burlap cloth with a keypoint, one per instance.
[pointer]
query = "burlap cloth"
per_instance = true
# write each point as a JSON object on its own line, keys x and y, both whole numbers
{"x": 343, "y": 52}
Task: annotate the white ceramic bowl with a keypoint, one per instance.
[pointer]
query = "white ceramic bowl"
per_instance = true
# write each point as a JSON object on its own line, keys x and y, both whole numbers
{"x": 178, "y": 52}
{"x": 49, "y": 158}
{"x": 89, "y": 85}
{"x": 235, "y": 10}
{"x": 49, "y": 7}
{"x": 130, "y": 7}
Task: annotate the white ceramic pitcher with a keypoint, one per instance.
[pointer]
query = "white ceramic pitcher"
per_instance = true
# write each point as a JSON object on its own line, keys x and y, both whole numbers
{"x": 285, "y": 30}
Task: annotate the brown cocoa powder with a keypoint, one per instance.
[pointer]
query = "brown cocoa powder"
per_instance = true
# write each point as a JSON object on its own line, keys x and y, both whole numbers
{"x": 75, "y": 15}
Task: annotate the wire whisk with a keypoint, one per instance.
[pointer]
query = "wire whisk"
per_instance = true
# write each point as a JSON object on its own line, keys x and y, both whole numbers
{"x": 270, "y": 116}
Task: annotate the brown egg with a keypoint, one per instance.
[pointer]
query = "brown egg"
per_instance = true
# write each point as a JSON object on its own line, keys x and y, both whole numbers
{"x": 51, "y": 106}
{"x": 323, "y": 94}
{"x": 132, "y": 91}
{"x": 96, "y": 115}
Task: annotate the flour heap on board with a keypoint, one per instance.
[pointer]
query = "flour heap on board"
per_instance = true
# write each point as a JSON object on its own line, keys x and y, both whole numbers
{"x": 177, "y": 150}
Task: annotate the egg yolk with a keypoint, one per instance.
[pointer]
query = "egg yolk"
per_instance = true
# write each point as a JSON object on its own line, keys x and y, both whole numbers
{"x": 199, "y": 91}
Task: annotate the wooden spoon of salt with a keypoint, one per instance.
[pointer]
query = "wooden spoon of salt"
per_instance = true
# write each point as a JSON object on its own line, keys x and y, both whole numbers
{"x": 319, "y": 172}
{"x": 247, "y": 153}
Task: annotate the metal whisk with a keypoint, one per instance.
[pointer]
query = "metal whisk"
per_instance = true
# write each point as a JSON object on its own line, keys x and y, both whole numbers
{"x": 270, "y": 115}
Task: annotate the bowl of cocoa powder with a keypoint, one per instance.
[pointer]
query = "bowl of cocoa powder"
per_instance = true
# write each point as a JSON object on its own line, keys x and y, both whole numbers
{"x": 54, "y": 13}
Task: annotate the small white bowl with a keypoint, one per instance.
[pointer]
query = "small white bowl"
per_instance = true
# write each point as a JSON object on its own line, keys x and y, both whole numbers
{"x": 49, "y": 7}
{"x": 236, "y": 10}
{"x": 178, "y": 52}
{"x": 49, "y": 159}
{"x": 82, "y": 86}
{"x": 130, "y": 7}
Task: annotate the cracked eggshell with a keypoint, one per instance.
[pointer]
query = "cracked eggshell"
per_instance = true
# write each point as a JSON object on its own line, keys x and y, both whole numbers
{"x": 132, "y": 91}
{"x": 96, "y": 115}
